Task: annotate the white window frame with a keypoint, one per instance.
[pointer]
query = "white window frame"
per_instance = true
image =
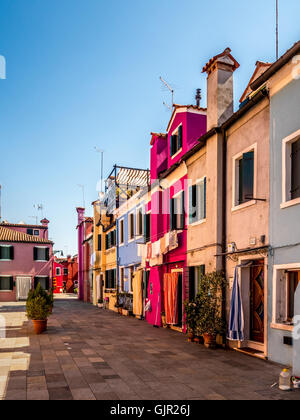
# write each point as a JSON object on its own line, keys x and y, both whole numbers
{"x": 123, "y": 221}
{"x": 138, "y": 235}
{"x": 6, "y": 246}
{"x": 278, "y": 272}
{"x": 36, "y": 230}
{"x": 235, "y": 179}
{"x": 57, "y": 268}
{"x": 129, "y": 227}
{"x": 7, "y": 276}
{"x": 172, "y": 134}
{"x": 42, "y": 247}
{"x": 286, "y": 171}
{"x": 201, "y": 221}
{"x": 130, "y": 289}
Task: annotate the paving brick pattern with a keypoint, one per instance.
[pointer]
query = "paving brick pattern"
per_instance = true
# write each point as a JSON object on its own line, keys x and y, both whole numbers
{"x": 93, "y": 354}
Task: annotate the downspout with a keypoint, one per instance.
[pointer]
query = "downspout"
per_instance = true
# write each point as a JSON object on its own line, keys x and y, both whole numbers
{"x": 224, "y": 226}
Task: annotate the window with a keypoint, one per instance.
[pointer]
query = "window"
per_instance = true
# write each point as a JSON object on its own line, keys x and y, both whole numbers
{"x": 176, "y": 141}
{"x": 6, "y": 252}
{"x": 122, "y": 278}
{"x": 121, "y": 234}
{"x": 131, "y": 226}
{"x": 295, "y": 171}
{"x": 43, "y": 281}
{"x": 66, "y": 271}
{"x": 291, "y": 170}
{"x": 177, "y": 212}
{"x": 41, "y": 254}
{"x": 29, "y": 231}
{"x": 293, "y": 281}
{"x": 110, "y": 240}
{"x": 146, "y": 283}
{"x": 286, "y": 279}
{"x": 110, "y": 279}
{"x": 99, "y": 242}
{"x": 147, "y": 227}
{"x": 195, "y": 274}
{"x": 244, "y": 178}
{"x": 6, "y": 283}
{"x": 197, "y": 202}
{"x": 58, "y": 271}
{"x": 36, "y": 233}
{"x": 139, "y": 222}
{"x": 131, "y": 274}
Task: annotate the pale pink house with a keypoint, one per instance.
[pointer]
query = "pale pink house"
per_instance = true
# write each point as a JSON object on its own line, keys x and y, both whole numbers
{"x": 26, "y": 257}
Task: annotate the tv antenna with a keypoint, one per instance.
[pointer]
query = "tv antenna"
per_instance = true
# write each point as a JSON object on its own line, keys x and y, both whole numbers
{"x": 277, "y": 30}
{"x": 35, "y": 218}
{"x": 102, "y": 158}
{"x": 39, "y": 207}
{"x": 167, "y": 106}
{"x": 83, "y": 197}
{"x": 169, "y": 88}
{"x": 198, "y": 97}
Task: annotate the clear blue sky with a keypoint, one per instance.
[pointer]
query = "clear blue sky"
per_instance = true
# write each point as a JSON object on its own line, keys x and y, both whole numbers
{"x": 82, "y": 73}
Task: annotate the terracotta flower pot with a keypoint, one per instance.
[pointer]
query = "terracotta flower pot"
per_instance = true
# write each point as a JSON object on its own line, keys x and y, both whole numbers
{"x": 39, "y": 326}
{"x": 209, "y": 341}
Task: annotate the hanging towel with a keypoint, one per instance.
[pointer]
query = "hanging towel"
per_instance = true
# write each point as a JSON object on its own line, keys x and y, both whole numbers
{"x": 171, "y": 298}
{"x": 138, "y": 293}
{"x": 173, "y": 240}
{"x": 236, "y": 319}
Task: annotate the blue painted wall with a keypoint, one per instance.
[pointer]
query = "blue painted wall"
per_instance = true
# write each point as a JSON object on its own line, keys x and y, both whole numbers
{"x": 284, "y": 223}
{"x": 128, "y": 253}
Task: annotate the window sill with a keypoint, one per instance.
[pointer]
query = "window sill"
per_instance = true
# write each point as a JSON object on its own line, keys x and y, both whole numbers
{"x": 176, "y": 154}
{"x": 199, "y": 222}
{"x": 41, "y": 261}
{"x": 290, "y": 203}
{"x": 6, "y": 260}
{"x": 282, "y": 327}
{"x": 131, "y": 240}
{"x": 243, "y": 206}
{"x": 6, "y": 291}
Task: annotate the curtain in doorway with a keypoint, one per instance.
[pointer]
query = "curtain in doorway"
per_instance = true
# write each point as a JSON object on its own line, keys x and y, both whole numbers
{"x": 138, "y": 293}
{"x": 236, "y": 319}
{"x": 171, "y": 297}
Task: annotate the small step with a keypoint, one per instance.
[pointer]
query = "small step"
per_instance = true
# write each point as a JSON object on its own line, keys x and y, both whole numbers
{"x": 252, "y": 352}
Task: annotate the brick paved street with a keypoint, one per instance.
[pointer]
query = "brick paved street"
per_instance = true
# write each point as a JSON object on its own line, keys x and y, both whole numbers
{"x": 89, "y": 353}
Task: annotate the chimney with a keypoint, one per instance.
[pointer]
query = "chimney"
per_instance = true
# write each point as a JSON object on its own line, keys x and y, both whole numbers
{"x": 45, "y": 222}
{"x": 80, "y": 212}
{"x": 220, "y": 71}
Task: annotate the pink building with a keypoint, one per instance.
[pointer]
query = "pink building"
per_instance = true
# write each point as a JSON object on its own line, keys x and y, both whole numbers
{"x": 25, "y": 259}
{"x": 169, "y": 196}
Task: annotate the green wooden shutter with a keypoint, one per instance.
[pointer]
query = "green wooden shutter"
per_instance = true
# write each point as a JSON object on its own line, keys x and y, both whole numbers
{"x": 248, "y": 176}
{"x": 47, "y": 254}
{"x": 295, "y": 160}
{"x": 182, "y": 211}
{"x": 99, "y": 242}
{"x": 180, "y": 137}
{"x": 35, "y": 254}
{"x": 202, "y": 197}
{"x": 47, "y": 283}
{"x": 12, "y": 253}
{"x": 191, "y": 284}
{"x": 11, "y": 283}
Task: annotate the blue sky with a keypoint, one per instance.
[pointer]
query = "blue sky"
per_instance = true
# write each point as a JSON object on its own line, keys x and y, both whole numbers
{"x": 85, "y": 73}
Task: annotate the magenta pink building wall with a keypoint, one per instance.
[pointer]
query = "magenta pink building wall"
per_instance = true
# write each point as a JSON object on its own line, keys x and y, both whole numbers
{"x": 24, "y": 265}
{"x": 194, "y": 126}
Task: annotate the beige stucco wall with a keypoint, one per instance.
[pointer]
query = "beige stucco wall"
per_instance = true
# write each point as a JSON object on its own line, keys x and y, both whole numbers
{"x": 204, "y": 239}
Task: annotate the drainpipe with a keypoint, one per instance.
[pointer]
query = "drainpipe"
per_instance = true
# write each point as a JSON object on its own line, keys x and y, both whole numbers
{"x": 224, "y": 224}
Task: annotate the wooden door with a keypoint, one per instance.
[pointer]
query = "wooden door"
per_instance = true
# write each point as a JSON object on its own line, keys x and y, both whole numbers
{"x": 257, "y": 301}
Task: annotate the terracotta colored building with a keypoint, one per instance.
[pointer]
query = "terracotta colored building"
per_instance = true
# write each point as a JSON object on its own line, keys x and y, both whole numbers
{"x": 85, "y": 251}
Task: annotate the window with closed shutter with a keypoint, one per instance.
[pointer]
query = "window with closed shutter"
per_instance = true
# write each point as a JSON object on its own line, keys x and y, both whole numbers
{"x": 99, "y": 242}
{"x": 6, "y": 252}
{"x": 131, "y": 226}
{"x": 43, "y": 281}
{"x": 122, "y": 231}
{"x": 246, "y": 177}
{"x": 147, "y": 228}
{"x": 6, "y": 283}
{"x": 295, "y": 161}
{"x": 41, "y": 254}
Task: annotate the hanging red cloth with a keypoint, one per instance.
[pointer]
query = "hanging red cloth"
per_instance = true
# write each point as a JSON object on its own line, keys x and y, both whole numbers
{"x": 171, "y": 298}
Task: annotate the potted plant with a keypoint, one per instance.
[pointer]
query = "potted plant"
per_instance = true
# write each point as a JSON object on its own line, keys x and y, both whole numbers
{"x": 209, "y": 305}
{"x": 191, "y": 313}
{"x": 38, "y": 310}
{"x": 100, "y": 303}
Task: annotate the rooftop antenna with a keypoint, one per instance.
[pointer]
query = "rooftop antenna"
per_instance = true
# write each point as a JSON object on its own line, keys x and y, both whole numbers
{"x": 277, "y": 30}
{"x": 169, "y": 88}
{"x": 34, "y": 217}
{"x": 0, "y": 203}
{"x": 102, "y": 158}
{"x": 83, "y": 197}
{"x": 39, "y": 207}
{"x": 167, "y": 106}
{"x": 198, "y": 97}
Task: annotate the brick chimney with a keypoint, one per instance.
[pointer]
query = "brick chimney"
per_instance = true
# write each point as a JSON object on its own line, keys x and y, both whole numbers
{"x": 220, "y": 71}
